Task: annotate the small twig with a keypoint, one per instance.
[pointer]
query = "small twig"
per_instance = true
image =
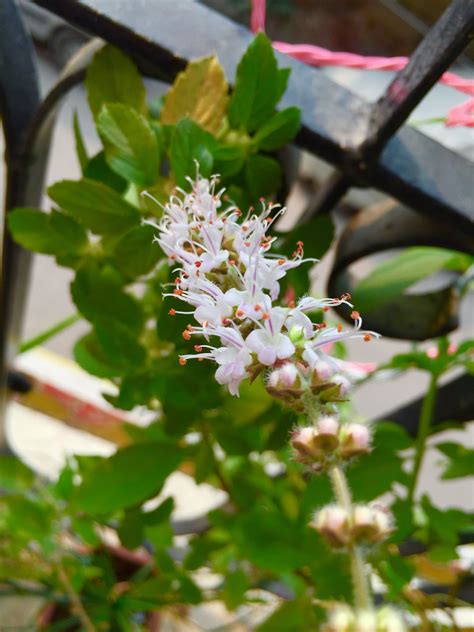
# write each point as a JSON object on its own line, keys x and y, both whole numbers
{"x": 76, "y": 604}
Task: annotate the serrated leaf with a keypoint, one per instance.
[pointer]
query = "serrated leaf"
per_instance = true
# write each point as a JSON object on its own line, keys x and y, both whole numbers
{"x": 262, "y": 175}
{"x": 119, "y": 345}
{"x": 97, "y": 207}
{"x": 52, "y": 234}
{"x": 90, "y": 357}
{"x": 132, "y": 149}
{"x": 98, "y": 169}
{"x": 460, "y": 460}
{"x": 98, "y": 296}
{"x": 199, "y": 92}
{"x": 279, "y": 130}
{"x": 229, "y": 160}
{"x": 136, "y": 254}
{"x": 258, "y": 86}
{"x": 393, "y": 277}
{"x": 131, "y": 476}
{"x": 191, "y": 144}
{"x": 113, "y": 78}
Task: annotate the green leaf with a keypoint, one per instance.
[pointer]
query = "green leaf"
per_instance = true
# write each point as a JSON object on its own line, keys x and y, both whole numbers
{"x": 263, "y": 176}
{"x": 132, "y": 149}
{"x": 131, "y": 476}
{"x": 229, "y": 160}
{"x": 293, "y": 616}
{"x": 257, "y": 86}
{"x": 394, "y": 276}
{"x": 98, "y": 169}
{"x": 80, "y": 145}
{"x": 120, "y": 345}
{"x": 90, "y": 357}
{"x": 279, "y": 130}
{"x": 233, "y": 591}
{"x": 14, "y": 475}
{"x": 99, "y": 297}
{"x": 199, "y": 92}
{"x": 97, "y": 207}
{"x": 113, "y": 78}
{"x": 375, "y": 474}
{"x": 52, "y": 234}
{"x": 316, "y": 234}
{"x": 131, "y": 531}
{"x": 282, "y": 81}
{"x": 136, "y": 253}
{"x": 190, "y": 143}
{"x": 460, "y": 461}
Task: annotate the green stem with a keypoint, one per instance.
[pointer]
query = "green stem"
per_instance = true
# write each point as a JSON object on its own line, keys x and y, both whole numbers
{"x": 424, "y": 426}
{"x": 362, "y": 597}
{"x": 49, "y": 333}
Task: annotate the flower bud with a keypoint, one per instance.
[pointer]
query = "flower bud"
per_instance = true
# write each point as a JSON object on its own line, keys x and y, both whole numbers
{"x": 370, "y": 524}
{"x": 365, "y": 621}
{"x": 340, "y": 620}
{"x": 302, "y": 441}
{"x": 326, "y": 439}
{"x": 343, "y": 383}
{"x": 355, "y": 440}
{"x": 333, "y": 523}
{"x": 389, "y": 620}
{"x": 285, "y": 383}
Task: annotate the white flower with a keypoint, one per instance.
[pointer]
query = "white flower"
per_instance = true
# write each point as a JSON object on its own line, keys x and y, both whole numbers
{"x": 267, "y": 340}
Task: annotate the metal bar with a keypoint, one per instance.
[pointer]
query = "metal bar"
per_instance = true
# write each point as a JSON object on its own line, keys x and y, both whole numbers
{"x": 327, "y": 196}
{"x": 439, "y": 48}
{"x": 455, "y": 400}
{"x": 19, "y": 100}
{"x": 334, "y": 119}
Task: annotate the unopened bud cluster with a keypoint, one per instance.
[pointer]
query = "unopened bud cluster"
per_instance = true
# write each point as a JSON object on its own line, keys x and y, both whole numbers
{"x": 320, "y": 445}
{"x": 291, "y": 381}
{"x": 344, "y": 619}
{"x": 362, "y": 524}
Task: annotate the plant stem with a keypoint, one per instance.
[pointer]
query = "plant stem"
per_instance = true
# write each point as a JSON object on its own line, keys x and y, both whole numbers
{"x": 49, "y": 333}
{"x": 360, "y": 584}
{"x": 426, "y": 418}
{"x": 76, "y": 604}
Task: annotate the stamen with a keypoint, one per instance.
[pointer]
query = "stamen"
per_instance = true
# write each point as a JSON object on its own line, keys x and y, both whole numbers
{"x": 367, "y": 337}
{"x": 182, "y": 361}
{"x": 172, "y": 312}
{"x": 355, "y": 315}
{"x": 265, "y": 316}
{"x": 186, "y": 335}
{"x": 198, "y": 348}
{"x": 339, "y": 328}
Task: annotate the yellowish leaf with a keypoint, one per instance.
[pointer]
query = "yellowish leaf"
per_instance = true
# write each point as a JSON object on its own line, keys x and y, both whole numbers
{"x": 199, "y": 92}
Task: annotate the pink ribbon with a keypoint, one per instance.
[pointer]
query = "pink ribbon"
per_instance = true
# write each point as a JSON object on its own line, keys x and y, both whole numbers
{"x": 316, "y": 56}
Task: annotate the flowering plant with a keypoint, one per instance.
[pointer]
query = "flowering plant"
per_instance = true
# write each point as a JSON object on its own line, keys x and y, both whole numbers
{"x": 261, "y": 405}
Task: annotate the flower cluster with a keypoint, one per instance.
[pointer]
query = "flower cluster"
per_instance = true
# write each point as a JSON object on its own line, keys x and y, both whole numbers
{"x": 227, "y": 275}
{"x": 345, "y": 619}
{"x": 363, "y": 524}
{"x": 321, "y": 445}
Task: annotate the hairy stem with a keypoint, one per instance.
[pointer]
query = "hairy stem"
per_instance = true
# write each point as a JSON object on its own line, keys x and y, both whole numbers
{"x": 426, "y": 418}
{"x": 360, "y": 584}
{"x": 49, "y": 333}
